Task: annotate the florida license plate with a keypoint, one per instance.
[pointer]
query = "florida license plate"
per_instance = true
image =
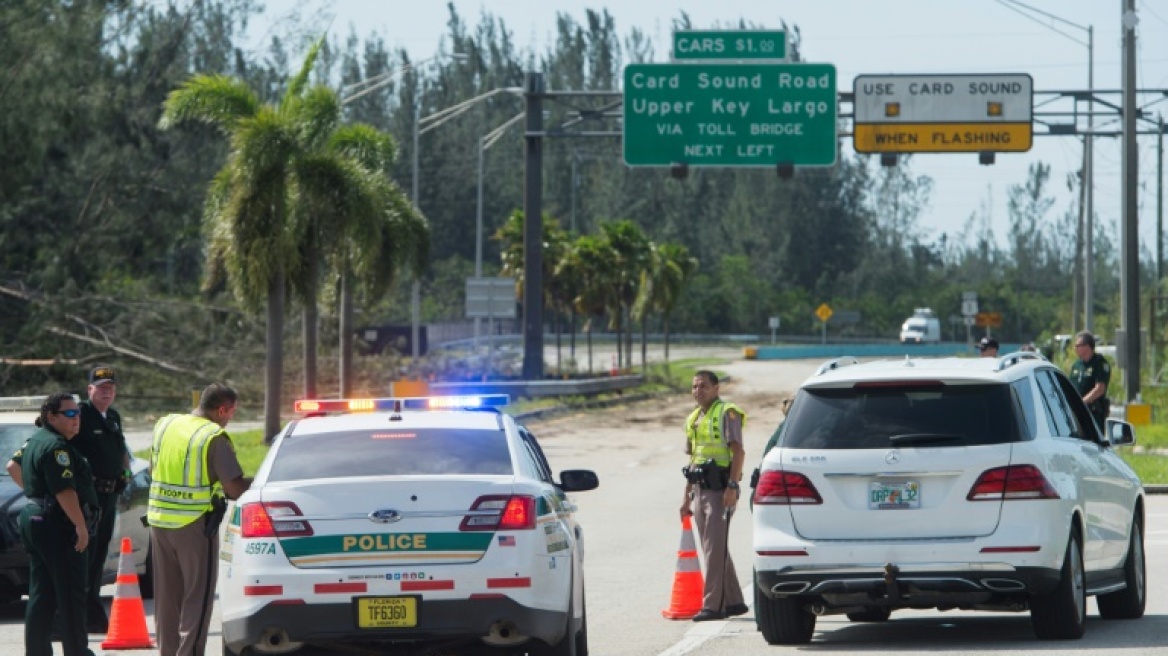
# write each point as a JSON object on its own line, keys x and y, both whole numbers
{"x": 904, "y": 495}
{"x": 387, "y": 612}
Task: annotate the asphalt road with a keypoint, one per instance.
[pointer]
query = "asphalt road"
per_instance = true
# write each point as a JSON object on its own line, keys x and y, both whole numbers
{"x": 632, "y": 533}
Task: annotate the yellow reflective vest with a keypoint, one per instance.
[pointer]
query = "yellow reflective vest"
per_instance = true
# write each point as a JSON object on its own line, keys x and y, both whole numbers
{"x": 706, "y": 439}
{"x": 181, "y": 489}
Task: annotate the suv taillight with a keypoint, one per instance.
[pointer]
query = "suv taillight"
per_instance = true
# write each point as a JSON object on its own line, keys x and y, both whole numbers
{"x": 784, "y": 488}
{"x": 500, "y": 513}
{"x": 273, "y": 519}
{"x": 1010, "y": 483}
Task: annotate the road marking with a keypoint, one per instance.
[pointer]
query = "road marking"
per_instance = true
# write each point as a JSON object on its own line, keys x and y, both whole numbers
{"x": 703, "y": 631}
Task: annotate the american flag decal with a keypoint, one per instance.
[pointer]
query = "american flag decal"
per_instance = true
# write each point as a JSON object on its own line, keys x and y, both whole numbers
{"x": 506, "y": 540}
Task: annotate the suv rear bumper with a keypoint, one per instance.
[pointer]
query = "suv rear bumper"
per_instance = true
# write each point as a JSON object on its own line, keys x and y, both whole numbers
{"x": 977, "y": 580}
{"x": 438, "y": 619}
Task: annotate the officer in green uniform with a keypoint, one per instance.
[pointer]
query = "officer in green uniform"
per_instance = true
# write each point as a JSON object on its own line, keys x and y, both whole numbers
{"x": 1090, "y": 375}
{"x": 59, "y": 487}
{"x": 103, "y": 444}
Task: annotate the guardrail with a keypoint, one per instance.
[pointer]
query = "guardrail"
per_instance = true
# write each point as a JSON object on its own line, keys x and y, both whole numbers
{"x": 540, "y": 388}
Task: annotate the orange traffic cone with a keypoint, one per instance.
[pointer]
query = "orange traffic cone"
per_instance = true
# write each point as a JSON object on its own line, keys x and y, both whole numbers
{"x": 127, "y": 627}
{"x": 688, "y": 585}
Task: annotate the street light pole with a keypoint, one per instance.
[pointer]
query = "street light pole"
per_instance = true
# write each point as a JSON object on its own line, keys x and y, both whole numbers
{"x": 1129, "y": 219}
{"x": 416, "y": 287}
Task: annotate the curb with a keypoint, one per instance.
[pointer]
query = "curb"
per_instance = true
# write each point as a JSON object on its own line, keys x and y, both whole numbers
{"x": 1156, "y": 489}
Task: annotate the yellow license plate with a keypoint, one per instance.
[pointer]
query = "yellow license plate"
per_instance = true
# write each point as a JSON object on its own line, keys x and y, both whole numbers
{"x": 387, "y": 612}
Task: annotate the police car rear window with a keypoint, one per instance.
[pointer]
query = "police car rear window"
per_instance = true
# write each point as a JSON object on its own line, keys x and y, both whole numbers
{"x": 933, "y": 416}
{"x": 392, "y": 452}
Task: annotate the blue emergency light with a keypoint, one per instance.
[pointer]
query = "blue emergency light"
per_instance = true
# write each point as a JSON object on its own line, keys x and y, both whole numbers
{"x": 464, "y": 402}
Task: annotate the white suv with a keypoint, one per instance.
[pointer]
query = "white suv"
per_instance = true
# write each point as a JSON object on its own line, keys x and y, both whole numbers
{"x": 959, "y": 483}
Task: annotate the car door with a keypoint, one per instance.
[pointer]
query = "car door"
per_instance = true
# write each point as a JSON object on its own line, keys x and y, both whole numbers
{"x": 1081, "y": 457}
{"x": 561, "y": 533}
{"x": 1115, "y": 486}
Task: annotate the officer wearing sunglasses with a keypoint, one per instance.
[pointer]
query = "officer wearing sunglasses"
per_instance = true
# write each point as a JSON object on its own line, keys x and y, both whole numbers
{"x": 53, "y": 526}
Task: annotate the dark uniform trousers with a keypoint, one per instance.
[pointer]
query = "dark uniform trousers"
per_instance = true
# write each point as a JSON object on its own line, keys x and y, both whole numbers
{"x": 722, "y": 589}
{"x": 98, "y": 551}
{"x": 186, "y": 568}
{"x": 56, "y": 573}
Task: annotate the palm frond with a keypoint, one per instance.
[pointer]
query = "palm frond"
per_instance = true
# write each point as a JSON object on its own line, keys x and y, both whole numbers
{"x": 213, "y": 99}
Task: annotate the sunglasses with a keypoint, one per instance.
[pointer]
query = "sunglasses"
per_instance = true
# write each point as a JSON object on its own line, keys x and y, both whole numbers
{"x": 70, "y": 413}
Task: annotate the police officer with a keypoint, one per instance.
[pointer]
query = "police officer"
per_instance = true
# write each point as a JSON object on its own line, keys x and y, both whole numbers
{"x": 59, "y": 487}
{"x": 1090, "y": 375}
{"x": 714, "y": 443}
{"x": 102, "y": 442}
{"x": 193, "y": 465}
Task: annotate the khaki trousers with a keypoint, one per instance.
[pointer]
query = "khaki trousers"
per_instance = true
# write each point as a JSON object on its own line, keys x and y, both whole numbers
{"x": 186, "y": 567}
{"x": 722, "y": 587}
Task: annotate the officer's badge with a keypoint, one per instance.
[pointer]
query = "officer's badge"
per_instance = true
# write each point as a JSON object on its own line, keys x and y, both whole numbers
{"x": 62, "y": 458}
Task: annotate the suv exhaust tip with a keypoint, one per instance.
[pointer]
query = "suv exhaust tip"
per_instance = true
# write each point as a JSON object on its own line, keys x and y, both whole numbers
{"x": 504, "y": 633}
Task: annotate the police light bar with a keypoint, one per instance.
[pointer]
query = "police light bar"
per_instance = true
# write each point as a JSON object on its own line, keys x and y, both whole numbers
{"x": 305, "y": 406}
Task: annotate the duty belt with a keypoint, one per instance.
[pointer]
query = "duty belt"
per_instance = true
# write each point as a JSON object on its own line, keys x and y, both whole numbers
{"x": 106, "y": 485}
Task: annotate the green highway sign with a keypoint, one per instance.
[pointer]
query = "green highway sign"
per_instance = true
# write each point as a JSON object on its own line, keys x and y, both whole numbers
{"x": 730, "y": 45}
{"x": 730, "y": 114}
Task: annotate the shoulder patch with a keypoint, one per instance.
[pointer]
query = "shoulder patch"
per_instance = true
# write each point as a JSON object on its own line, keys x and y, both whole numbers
{"x": 732, "y": 414}
{"x": 1106, "y": 368}
{"x": 62, "y": 457}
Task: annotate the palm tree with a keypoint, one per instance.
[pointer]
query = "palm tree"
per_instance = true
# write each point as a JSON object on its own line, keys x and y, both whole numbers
{"x": 590, "y": 260}
{"x": 379, "y": 233}
{"x": 670, "y": 268}
{"x": 253, "y": 239}
{"x": 631, "y": 249}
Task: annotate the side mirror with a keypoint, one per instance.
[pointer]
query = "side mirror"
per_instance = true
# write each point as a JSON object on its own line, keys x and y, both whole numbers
{"x": 1120, "y": 433}
{"x": 578, "y": 480}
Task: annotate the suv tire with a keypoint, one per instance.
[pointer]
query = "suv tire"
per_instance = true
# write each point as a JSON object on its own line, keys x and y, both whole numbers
{"x": 1062, "y": 614}
{"x": 783, "y": 621}
{"x": 1128, "y": 604}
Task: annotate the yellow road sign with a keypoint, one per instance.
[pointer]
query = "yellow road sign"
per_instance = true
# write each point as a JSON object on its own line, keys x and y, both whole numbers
{"x": 988, "y": 319}
{"x": 823, "y": 312}
{"x": 942, "y": 137}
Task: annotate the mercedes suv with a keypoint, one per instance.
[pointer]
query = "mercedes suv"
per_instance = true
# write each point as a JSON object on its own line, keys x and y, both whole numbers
{"x": 959, "y": 483}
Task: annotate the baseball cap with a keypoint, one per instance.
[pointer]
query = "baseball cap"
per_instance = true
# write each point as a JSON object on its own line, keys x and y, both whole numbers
{"x": 101, "y": 375}
{"x": 987, "y": 342}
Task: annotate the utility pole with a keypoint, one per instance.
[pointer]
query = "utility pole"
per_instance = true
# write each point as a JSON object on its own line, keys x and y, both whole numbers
{"x": 1129, "y": 220}
{"x": 1089, "y": 191}
{"x": 533, "y": 229}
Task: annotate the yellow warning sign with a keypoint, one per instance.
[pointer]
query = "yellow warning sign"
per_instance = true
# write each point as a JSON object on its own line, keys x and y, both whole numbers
{"x": 823, "y": 312}
{"x": 943, "y": 137}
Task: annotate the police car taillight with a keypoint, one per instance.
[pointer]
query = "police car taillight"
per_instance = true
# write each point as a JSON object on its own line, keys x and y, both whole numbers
{"x": 500, "y": 513}
{"x": 273, "y": 519}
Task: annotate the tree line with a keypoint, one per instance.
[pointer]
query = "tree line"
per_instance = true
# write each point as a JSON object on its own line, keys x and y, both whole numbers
{"x": 122, "y": 212}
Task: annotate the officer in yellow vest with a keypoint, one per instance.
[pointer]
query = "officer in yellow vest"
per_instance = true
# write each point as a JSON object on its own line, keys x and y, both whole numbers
{"x": 714, "y": 443}
{"x": 193, "y": 465}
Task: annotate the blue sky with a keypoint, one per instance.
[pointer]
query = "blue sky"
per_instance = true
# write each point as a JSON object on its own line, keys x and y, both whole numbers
{"x": 861, "y": 37}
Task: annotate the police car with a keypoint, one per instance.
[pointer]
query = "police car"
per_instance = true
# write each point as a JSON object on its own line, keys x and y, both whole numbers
{"x": 410, "y": 525}
{"x": 956, "y": 483}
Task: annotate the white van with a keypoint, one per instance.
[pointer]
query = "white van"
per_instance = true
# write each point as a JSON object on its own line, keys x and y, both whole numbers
{"x": 922, "y": 327}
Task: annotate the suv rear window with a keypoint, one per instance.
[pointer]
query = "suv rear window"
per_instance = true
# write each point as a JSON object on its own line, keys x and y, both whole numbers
{"x": 392, "y": 452}
{"x": 886, "y": 416}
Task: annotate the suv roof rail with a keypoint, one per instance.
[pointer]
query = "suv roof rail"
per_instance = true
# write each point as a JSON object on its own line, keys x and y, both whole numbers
{"x": 1010, "y": 359}
{"x": 831, "y": 365}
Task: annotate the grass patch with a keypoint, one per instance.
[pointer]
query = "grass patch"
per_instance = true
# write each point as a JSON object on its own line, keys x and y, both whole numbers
{"x": 1154, "y": 436}
{"x": 1151, "y": 468}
